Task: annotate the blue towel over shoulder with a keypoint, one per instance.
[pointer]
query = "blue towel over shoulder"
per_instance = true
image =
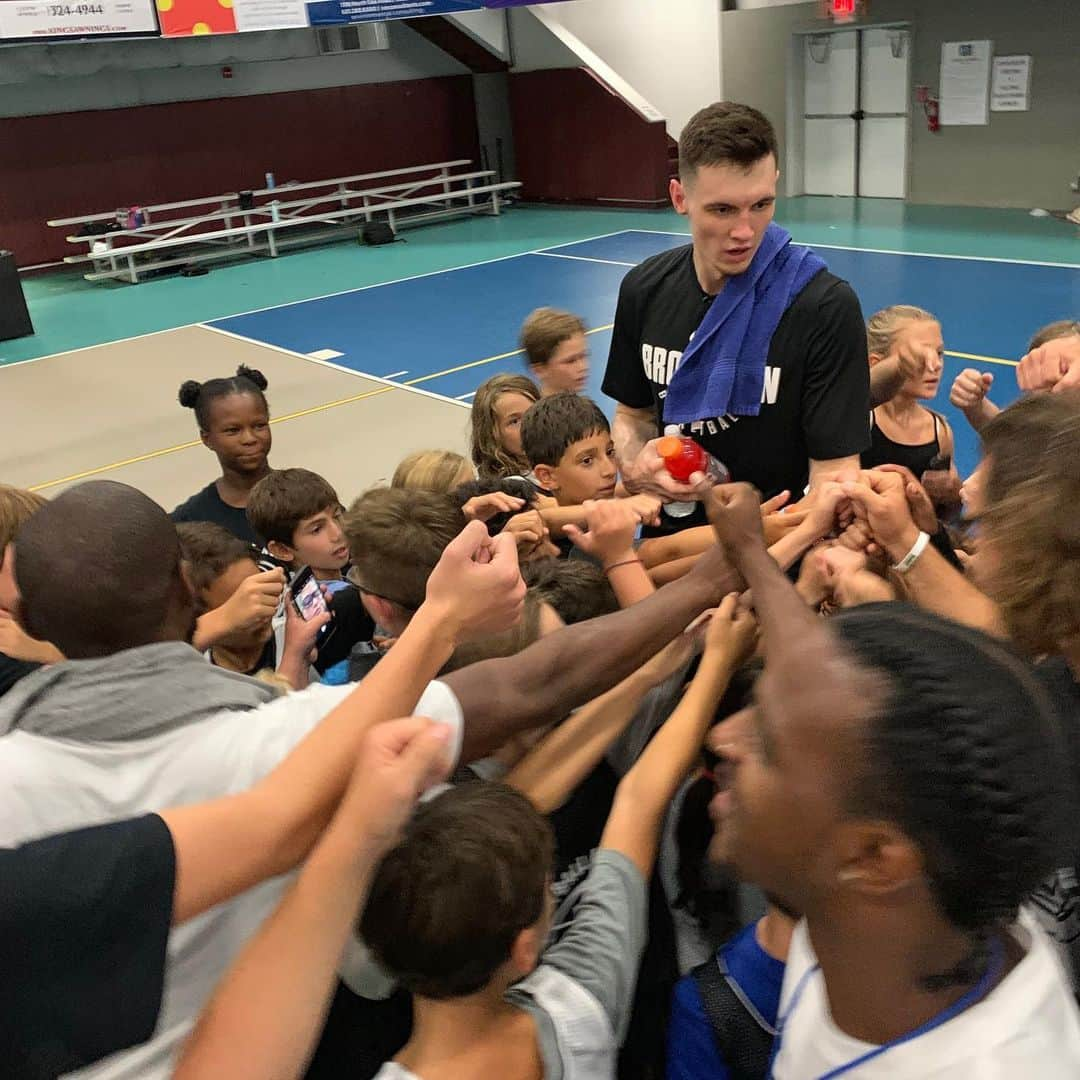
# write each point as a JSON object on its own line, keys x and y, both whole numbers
{"x": 723, "y": 368}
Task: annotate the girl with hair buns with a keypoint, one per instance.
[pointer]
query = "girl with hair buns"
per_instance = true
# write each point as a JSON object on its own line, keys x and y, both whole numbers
{"x": 234, "y": 422}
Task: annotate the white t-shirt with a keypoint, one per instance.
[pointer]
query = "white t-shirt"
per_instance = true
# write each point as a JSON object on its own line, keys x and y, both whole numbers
{"x": 54, "y": 785}
{"x": 1027, "y": 1028}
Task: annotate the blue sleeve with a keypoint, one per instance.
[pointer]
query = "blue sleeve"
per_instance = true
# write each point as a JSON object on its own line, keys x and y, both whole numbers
{"x": 692, "y": 1052}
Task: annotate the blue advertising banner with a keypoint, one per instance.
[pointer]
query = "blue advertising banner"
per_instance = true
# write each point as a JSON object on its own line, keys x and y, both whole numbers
{"x": 336, "y": 12}
{"x": 515, "y": 3}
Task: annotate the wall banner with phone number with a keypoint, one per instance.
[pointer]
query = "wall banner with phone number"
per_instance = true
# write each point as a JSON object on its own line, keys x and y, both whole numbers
{"x": 336, "y": 12}
{"x": 41, "y": 19}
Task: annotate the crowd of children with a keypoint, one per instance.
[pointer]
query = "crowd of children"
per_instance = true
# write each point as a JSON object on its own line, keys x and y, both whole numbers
{"x": 495, "y": 771}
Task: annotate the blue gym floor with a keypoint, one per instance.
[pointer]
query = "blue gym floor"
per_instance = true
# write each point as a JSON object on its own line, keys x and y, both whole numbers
{"x": 450, "y": 330}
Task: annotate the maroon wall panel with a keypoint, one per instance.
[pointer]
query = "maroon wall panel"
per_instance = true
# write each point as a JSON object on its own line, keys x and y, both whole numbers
{"x": 577, "y": 141}
{"x": 85, "y": 162}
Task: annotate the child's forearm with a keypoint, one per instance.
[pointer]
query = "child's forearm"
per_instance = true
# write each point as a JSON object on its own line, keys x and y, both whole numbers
{"x": 556, "y": 518}
{"x": 672, "y": 571}
{"x": 550, "y": 772}
{"x": 664, "y": 549}
{"x": 629, "y": 579}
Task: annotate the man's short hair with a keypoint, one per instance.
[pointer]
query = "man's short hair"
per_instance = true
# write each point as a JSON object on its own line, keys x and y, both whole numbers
{"x": 98, "y": 568}
{"x": 396, "y": 536}
{"x": 545, "y": 330}
{"x": 17, "y": 506}
{"x": 965, "y": 754}
{"x": 448, "y": 902}
{"x": 576, "y": 588}
{"x": 208, "y": 550}
{"x": 283, "y": 498}
{"x": 725, "y": 133}
{"x": 554, "y": 424}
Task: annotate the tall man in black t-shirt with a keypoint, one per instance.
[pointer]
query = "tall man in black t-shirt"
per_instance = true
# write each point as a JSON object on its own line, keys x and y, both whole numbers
{"x": 815, "y": 403}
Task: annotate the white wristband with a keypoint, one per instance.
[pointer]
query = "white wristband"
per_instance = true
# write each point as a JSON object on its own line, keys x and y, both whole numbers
{"x": 912, "y": 557}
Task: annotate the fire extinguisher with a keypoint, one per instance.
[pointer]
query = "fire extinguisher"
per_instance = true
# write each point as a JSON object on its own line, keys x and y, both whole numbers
{"x": 930, "y": 106}
{"x": 933, "y": 115}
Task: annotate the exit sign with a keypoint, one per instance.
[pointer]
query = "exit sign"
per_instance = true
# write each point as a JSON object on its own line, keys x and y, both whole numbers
{"x": 842, "y": 10}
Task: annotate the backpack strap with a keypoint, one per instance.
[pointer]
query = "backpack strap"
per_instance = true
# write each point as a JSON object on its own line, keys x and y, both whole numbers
{"x": 743, "y": 1037}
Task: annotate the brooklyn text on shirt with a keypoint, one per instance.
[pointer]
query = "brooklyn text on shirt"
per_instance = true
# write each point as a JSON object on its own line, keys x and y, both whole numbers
{"x": 661, "y": 365}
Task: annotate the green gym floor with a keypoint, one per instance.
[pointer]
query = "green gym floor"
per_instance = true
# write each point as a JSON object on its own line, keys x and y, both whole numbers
{"x": 70, "y": 313}
{"x": 93, "y": 392}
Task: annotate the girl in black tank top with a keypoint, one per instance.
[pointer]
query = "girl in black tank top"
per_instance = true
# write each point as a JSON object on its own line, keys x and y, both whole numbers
{"x": 903, "y": 431}
{"x": 886, "y": 451}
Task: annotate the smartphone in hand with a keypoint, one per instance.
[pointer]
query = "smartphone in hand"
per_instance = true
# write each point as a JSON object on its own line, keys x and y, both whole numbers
{"x": 307, "y": 597}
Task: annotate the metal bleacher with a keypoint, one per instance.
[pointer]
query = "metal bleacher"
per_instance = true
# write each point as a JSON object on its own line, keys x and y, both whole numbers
{"x": 235, "y": 225}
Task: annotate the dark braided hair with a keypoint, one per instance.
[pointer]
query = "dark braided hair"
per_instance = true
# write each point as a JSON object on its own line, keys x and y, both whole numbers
{"x": 200, "y": 396}
{"x": 965, "y": 756}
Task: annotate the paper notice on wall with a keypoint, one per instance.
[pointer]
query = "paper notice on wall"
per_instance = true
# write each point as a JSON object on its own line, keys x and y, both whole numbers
{"x": 1010, "y": 84}
{"x": 965, "y": 82}
{"x": 270, "y": 14}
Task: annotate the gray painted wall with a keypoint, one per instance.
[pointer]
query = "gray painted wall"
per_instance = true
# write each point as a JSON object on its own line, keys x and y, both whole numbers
{"x": 37, "y": 79}
{"x": 1018, "y": 159}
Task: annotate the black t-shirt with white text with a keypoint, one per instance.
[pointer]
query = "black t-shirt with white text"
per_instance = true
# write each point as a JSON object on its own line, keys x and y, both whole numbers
{"x": 816, "y": 396}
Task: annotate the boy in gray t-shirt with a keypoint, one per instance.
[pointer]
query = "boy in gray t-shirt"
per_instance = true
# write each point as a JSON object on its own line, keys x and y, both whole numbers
{"x": 460, "y": 910}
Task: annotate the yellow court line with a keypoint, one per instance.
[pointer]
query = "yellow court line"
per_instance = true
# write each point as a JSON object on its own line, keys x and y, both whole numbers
{"x": 981, "y": 359}
{"x": 288, "y": 416}
{"x": 85, "y": 475}
{"x": 196, "y": 442}
{"x": 488, "y": 360}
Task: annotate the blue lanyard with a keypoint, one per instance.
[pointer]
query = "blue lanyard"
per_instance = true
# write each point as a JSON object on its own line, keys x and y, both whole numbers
{"x": 990, "y": 976}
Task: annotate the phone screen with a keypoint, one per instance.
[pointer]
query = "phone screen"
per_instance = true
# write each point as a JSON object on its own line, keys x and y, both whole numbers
{"x": 308, "y": 597}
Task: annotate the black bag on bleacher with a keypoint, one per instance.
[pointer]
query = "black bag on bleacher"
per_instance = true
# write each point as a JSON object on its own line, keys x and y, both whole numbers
{"x": 377, "y": 232}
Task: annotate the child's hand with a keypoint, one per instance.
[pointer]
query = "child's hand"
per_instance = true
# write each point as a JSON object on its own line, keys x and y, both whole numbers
{"x": 254, "y": 602}
{"x": 823, "y": 508}
{"x": 301, "y": 634}
{"x": 19, "y": 645}
{"x": 531, "y": 535}
{"x": 732, "y": 634}
{"x": 485, "y": 507}
{"x": 612, "y": 524}
{"x": 919, "y": 499}
{"x": 647, "y": 508}
{"x": 969, "y": 388}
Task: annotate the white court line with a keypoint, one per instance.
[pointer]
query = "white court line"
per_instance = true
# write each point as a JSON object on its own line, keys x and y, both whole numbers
{"x": 327, "y": 363}
{"x": 465, "y": 397}
{"x": 417, "y": 277}
{"x": 98, "y": 345}
{"x": 581, "y": 258}
{"x": 324, "y": 296}
{"x": 888, "y": 251}
{"x": 325, "y": 354}
{"x": 396, "y": 374}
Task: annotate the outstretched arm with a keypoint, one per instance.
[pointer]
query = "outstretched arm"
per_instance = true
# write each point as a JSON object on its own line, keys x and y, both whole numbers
{"x": 643, "y": 796}
{"x": 550, "y": 772}
{"x": 932, "y": 582}
{"x": 561, "y": 671}
{"x": 266, "y": 1014}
